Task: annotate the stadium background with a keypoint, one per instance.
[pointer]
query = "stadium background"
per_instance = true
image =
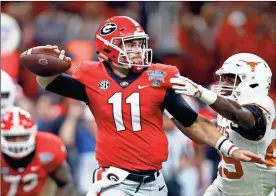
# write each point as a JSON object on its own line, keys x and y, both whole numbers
{"x": 194, "y": 36}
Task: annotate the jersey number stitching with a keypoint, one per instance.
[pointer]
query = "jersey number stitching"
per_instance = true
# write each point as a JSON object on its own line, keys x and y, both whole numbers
{"x": 15, "y": 180}
{"x": 134, "y": 101}
{"x": 237, "y": 165}
{"x": 270, "y": 158}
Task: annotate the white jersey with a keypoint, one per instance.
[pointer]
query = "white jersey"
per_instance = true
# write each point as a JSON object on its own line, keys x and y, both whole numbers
{"x": 243, "y": 179}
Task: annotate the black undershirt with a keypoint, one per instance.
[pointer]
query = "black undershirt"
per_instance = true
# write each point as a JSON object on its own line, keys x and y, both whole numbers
{"x": 258, "y": 130}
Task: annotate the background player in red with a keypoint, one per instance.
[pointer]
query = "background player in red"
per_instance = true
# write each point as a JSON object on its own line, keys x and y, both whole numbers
{"x": 127, "y": 95}
{"x": 28, "y": 157}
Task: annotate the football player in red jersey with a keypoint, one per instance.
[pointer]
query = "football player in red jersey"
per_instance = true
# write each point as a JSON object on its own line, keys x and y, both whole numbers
{"x": 127, "y": 95}
{"x": 28, "y": 157}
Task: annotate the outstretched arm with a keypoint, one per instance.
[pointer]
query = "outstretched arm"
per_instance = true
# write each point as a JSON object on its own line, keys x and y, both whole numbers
{"x": 231, "y": 110}
{"x": 249, "y": 117}
{"x": 63, "y": 179}
{"x": 64, "y": 85}
{"x": 182, "y": 128}
{"x": 201, "y": 129}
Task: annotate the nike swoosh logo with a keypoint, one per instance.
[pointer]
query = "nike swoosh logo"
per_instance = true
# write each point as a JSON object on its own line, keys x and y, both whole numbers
{"x": 160, "y": 188}
{"x": 141, "y": 87}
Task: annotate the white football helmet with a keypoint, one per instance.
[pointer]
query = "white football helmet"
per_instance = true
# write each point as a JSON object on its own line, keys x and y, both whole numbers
{"x": 10, "y": 34}
{"x": 253, "y": 72}
{"x": 8, "y": 91}
{"x": 16, "y": 122}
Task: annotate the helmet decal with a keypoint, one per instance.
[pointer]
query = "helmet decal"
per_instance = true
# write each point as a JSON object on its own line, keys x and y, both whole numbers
{"x": 251, "y": 64}
{"x": 108, "y": 29}
{"x": 17, "y": 123}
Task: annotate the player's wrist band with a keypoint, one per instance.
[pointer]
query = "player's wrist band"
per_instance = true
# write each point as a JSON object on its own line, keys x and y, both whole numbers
{"x": 168, "y": 114}
{"x": 207, "y": 96}
{"x": 225, "y": 146}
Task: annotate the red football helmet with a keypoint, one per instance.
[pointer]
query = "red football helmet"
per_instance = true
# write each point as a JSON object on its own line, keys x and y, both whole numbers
{"x": 16, "y": 122}
{"x": 110, "y": 41}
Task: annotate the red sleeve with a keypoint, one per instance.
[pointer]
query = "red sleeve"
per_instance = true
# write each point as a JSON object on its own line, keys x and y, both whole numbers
{"x": 56, "y": 148}
{"x": 84, "y": 71}
{"x": 77, "y": 71}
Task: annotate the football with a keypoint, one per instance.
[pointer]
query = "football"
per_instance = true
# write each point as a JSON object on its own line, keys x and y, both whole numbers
{"x": 44, "y": 61}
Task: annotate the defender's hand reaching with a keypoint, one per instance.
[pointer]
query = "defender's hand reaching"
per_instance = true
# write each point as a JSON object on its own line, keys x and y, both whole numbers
{"x": 247, "y": 156}
{"x": 186, "y": 86}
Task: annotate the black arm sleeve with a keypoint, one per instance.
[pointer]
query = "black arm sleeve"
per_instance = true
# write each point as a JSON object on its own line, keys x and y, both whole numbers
{"x": 66, "y": 86}
{"x": 179, "y": 109}
{"x": 259, "y": 127}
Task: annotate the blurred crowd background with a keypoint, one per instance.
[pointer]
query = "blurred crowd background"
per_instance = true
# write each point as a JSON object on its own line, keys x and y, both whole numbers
{"x": 194, "y": 36}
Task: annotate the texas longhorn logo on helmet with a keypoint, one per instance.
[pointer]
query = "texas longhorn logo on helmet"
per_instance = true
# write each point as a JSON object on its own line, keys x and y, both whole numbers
{"x": 251, "y": 64}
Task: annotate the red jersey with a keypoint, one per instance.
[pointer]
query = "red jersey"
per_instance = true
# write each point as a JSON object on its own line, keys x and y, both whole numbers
{"x": 129, "y": 115}
{"x": 49, "y": 155}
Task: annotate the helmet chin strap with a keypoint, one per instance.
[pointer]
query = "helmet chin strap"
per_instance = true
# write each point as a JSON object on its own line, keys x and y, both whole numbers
{"x": 128, "y": 64}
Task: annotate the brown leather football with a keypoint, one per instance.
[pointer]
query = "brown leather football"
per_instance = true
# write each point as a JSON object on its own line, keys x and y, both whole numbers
{"x": 44, "y": 61}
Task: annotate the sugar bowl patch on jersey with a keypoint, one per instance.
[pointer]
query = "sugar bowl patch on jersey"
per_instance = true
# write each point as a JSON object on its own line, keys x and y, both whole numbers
{"x": 4, "y": 170}
{"x": 46, "y": 158}
{"x": 156, "y": 77}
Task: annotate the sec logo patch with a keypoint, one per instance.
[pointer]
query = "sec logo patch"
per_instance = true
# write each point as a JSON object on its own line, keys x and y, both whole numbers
{"x": 104, "y": 85}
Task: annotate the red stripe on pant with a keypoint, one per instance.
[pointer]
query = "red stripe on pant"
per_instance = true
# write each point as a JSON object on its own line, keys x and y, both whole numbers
{"x": 99, "y": 176}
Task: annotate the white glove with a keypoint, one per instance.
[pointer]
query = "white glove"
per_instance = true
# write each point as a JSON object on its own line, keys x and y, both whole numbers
{"x": 186, "y": 86}
{"x": 110, "y": 177}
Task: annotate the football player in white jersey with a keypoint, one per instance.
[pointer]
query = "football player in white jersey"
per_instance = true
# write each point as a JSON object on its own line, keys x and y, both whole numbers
{"x": 245, "y": 116}
{"x": 8, "y": 91}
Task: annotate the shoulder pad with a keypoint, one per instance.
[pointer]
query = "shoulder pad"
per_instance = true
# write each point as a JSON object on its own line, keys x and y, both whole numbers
{"x": 84, "y": 66}
{"x": 263, "y": 102}
{"x": 52, "y": 152}
{"x": 85, "y": 71}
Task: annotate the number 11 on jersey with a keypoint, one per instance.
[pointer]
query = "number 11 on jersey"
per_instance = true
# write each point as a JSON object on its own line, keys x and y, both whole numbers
{"x": 117, "y": 101}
